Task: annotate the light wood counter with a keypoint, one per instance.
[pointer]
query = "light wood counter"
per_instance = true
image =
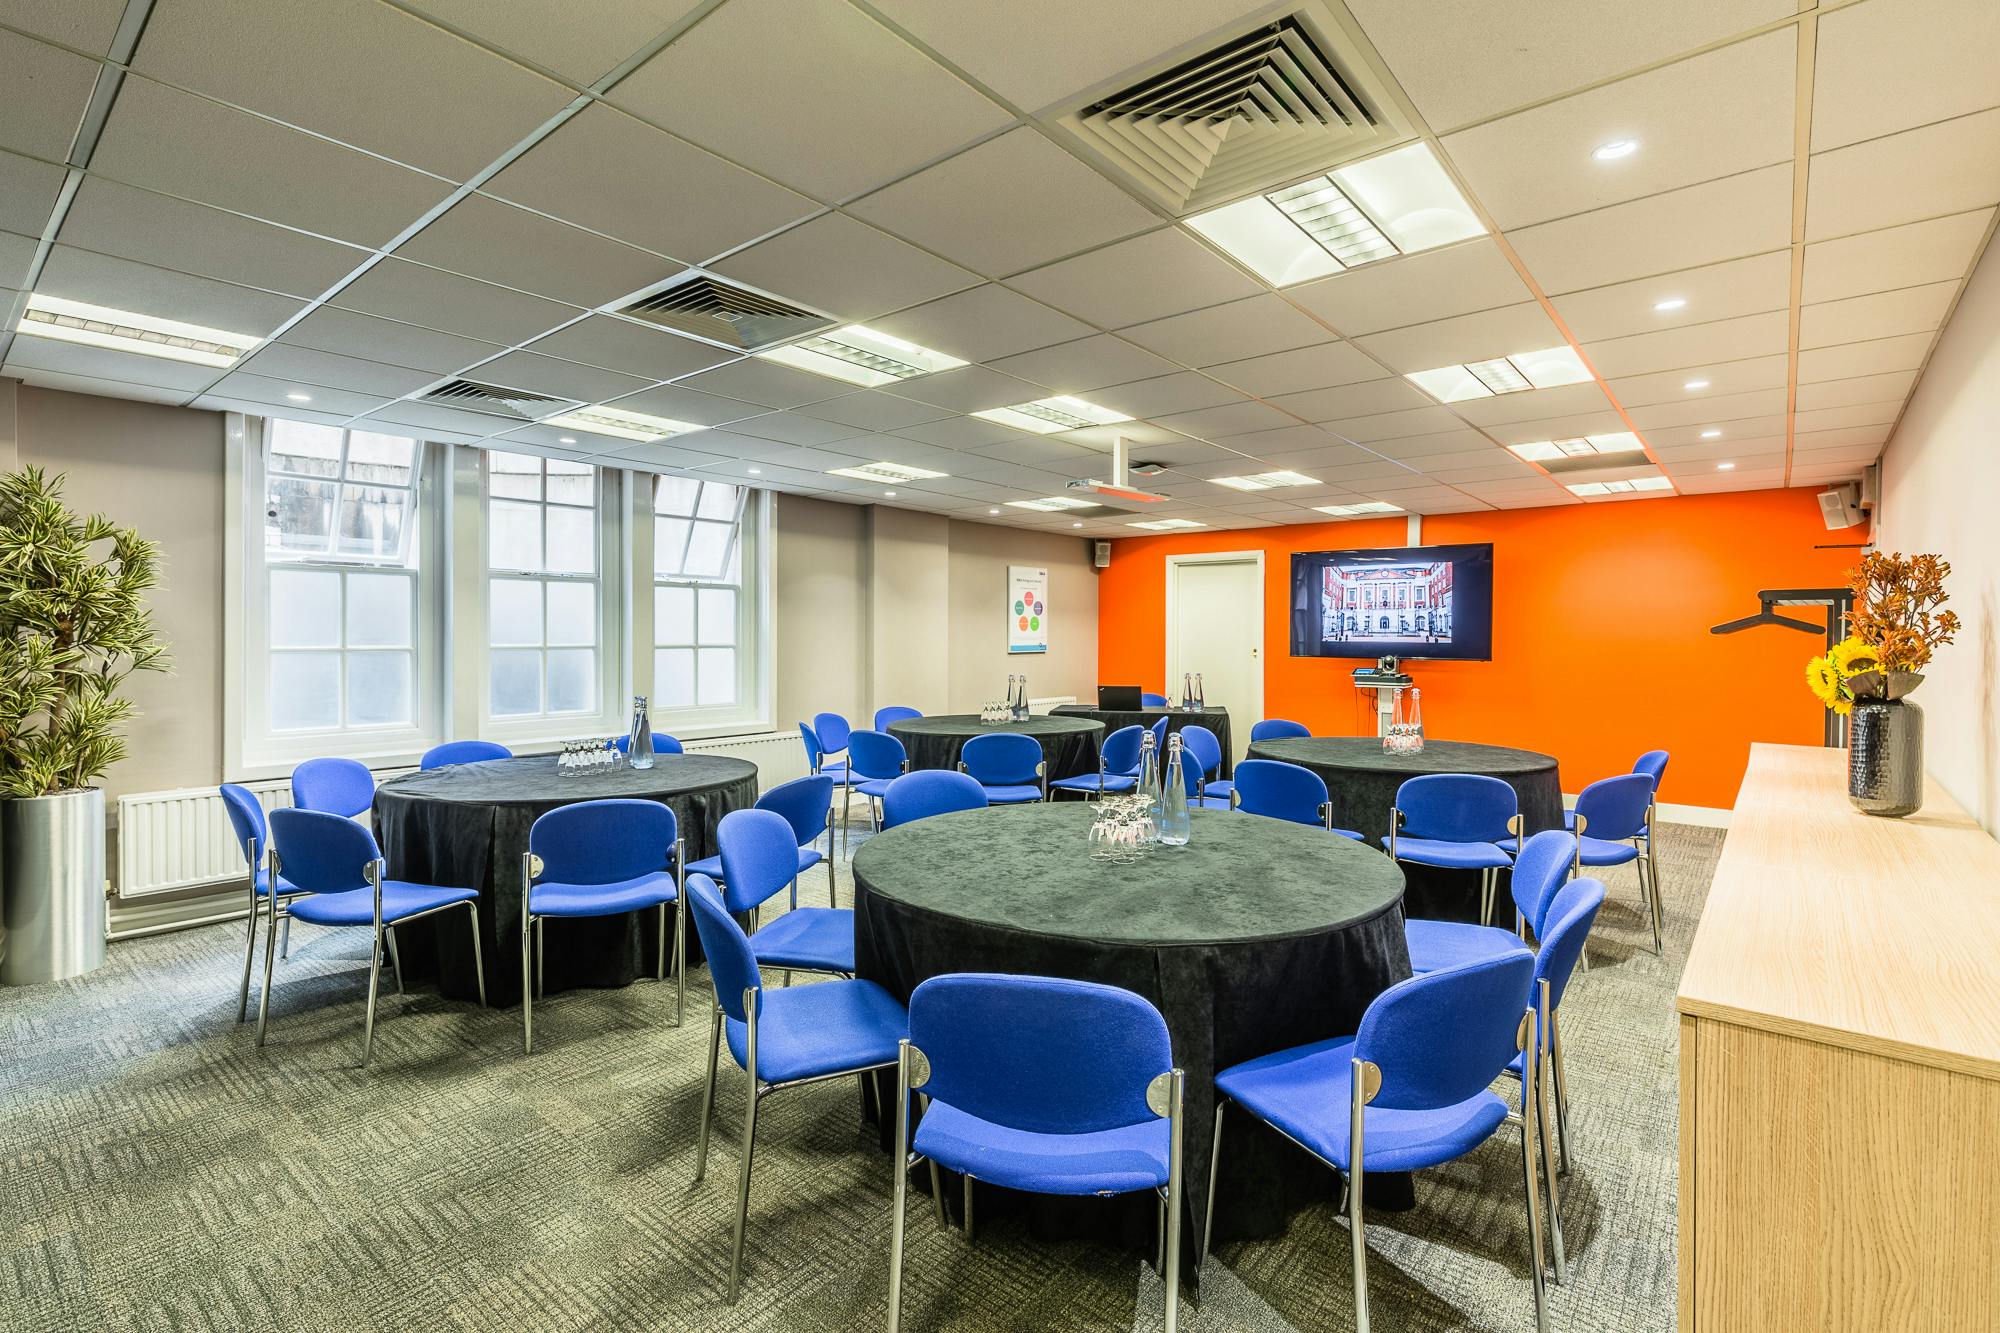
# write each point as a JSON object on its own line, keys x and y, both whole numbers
{"x": 1840, "y": 1065}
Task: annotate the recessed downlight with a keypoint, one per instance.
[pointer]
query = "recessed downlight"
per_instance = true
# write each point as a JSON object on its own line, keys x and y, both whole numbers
{"x": 1670, "y": 304}
{"x": 300, "y": 397}
{"x": 566, "y": 439}
{"x": 1617, "y": 148}
{"x": 1725, "y": 467}
{"x": 1711, "y": 434}
{"x": 1694, "y": 385}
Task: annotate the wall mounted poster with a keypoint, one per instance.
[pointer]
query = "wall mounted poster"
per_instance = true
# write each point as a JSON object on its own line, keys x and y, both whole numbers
{"x": 1027, "y": 612}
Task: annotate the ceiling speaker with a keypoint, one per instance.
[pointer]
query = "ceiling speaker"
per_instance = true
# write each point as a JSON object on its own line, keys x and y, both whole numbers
{"x": 1839, "y": 505}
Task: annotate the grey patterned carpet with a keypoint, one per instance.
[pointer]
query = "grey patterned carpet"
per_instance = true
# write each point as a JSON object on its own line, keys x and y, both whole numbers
{"x": 157, "y": 1172}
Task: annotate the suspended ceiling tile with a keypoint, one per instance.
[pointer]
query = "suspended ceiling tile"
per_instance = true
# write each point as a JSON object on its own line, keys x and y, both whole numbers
{"x": 1419, "y": 446}
{"x": 1692, "y": 345}
{"x": 1256, "y": 326}
{"x": 845, "y": 268}
{"x": 874, "y": 410}
{"x": 1713, "y": 379}
{"x": 1415, "y": 289}
{"x": 47, "y": 91}
{"x": 968, "y": 389}
{"x": 28, "y": 192}
{"x": 1230, "y": 419}
{"x": 794, "y": 428}
{"x": 304, "y": 365}
{"x": 1844, "y": 437}
{"x": 1164, "y": 272}
{"x": 1906, "y": 256}
{"x": 415, "y": 294}
{"x": 1478, "y": 337}
{"x": 579, "y": 40}
{"x": 557, "y": 378}
{"x": 1894, "y": 387}
{"x": 17, "y": 255}
{"x": 958, "y": 433}
{"x": 289, "y": 395}
{"x": 1531, "y": 404}
{"x": 80, "y": 275}
{"x": 1394, "y": 425}
{"x": 1949, "y": 167}
{"x": 1746, "y": 432}
{"x": 636, "y": 349}
{"x": 137, "y": 393}
{"x": 1877, "y": 315}
{"x": 1719, "y": 291}
{"x": 495, "y": 242}
{"x": 1182, "y": 392}
{"x": 677, "y": 402}
{"x": 297, "y": 412}
{"x": 1707, "y": 409}
{"x": 1557, "y": 428}
{"x": 1878, "y": 356}
{"x": 328, "y": 329}
{"x": 1086, "y": 364}
{"x": 87, "y": 25}
{"x": 101, "y": 363}
{"x": 767, "y": 383}
{"x": 1321, "y": 366}
{"x": 1346, "y": 401}
{"x": 1893, "y": 64}
{"x": 985, "y": 322}
{"x": 1856, "y": 414}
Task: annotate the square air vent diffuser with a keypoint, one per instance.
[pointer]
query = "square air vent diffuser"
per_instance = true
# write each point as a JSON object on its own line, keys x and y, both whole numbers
{"x": 722, "y": 313}
{"x": 495, "y": 401}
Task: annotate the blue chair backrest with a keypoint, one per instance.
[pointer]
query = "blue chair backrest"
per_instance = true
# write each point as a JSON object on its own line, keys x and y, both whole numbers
{"x": 462, "y": 752}
{"x": 1204, "y": 745}
{"x": 662, "y": 744}
{"x": 1040, "y": 1054}
{"x": 732, "y": 967}
{"x": 1280, "y": 791}
{"x": 1457, "y": 807}
{"x": 1002, "y": 758}
{"x": 603, "y": 842}
{"x": 1120, "y": 755}
{"x": 1570, "y": 918}
{"x": 1160, "y": 738}
{"x": 333, "y": 786}
{"x": 1152, "y": 700}
{"x": 832, "y": 730}
{"x": 1541, "y": 868}
{"x": 760, "y": 856}
{"x": 1278, "y": 729}
{"x": 1653, "y": 764}
{"x": 1442, "y": 1037}
{"x": 246, "y": 817}
{"x": 321, "y": 852}
{"x": 893, "y": 713}
{"x": 1615, "y": 808}
{"x": 803, "y": 802}
{"x": 875, "y": 754}
{"x": 933, "y": 791}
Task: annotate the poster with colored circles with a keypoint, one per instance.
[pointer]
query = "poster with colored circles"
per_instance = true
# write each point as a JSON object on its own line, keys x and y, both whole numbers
{"x": 1027, "y": 609}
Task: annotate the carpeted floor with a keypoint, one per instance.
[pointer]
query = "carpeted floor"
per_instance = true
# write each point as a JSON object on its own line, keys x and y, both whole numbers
{"x": 157, "y": 1172}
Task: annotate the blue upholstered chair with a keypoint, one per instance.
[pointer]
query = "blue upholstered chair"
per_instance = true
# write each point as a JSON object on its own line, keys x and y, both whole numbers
{"x": 780, "y": 1039}
{"x": 462, "y": 752}
{"x": 1408, "y": 1091}
{"x": 1457, "y": 821}
{"x": 759, "y": 859}
{"x": 662, "y": 744}
{"x": 1653, "y": 764}
{"x": 1117, "y": 766}
{"x": 807, "y": 805}
{"x": 333, "y": 786}
{"x": 934, "y": 791}
{"x": 1278, "y": 729}
{"x": 1191, "y": 777}
{"x": 874, "y": 760}
{"x": 1614, "y": 823}
{"x": 1539, "y": 871}
{"x": 833, "y": 732}
{"x": 1206, "y": 747}
{"x": 1152, "y": 700}
{"x": 601, "y": 858}
{"x": 1160, "y": 737}
{"x": 246, "y": 819}
{"x": 816, "y": 756}
{"x": 894, "y": 713}
{"x": 1043, "y": 1085}
{"x": 1284, "y": 791}
{"x": 341, "y": 879}
{"x": 1008, "y": 765}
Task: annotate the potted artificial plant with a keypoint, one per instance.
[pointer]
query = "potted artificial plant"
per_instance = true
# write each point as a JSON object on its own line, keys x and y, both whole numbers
{"x": 73, "y": 626}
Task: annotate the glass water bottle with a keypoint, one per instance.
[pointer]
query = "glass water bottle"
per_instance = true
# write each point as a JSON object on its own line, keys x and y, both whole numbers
{"x": 1148, "y": 790}
{"x": 1413, "y": 721}
{"x": 640, "y": 751}
{"x": 1200, "y": 699}
{"x": 1175, "y": 824}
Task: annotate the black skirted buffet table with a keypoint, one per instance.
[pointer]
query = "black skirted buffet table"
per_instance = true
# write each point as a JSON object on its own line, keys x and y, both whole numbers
{"x": 1069, "y": 744}
{"x": 1256, "y": 936}
{"x": 466, "y": 825}
{"x": 1361, "y": 778}
{"x": 1215, "y": 719}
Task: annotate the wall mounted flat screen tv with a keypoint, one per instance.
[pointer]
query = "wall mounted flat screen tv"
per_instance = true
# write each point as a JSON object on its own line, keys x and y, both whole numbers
{"x": 1410, "y": 601}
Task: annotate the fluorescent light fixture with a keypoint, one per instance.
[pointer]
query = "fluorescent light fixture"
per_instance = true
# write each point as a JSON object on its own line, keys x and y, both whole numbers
{"x": 1618, "y": 442}
{"x": 1047, "y": 416}
{"x": 1617, "y": 148}
{"x": 1266, "y": 241}
{"x": 1711, "y": 434}
{"x": 566, "y": 439}
{"x": 1166, "y": 524}
{"x": 63, "y": 320}
{"x": 1587, "y": 489}
{"x": 1693, "y": 385}
{"x": 1052, "y": 504}
{"x": 860, "y": 355}
{"x": 1498, "y": 375}
{"x": 754, "y": 471}
{"x": 1514, "y": 373}
{"x": 1412, "y": 197}
{"x": 1672, "y": 303}
{"x": 1264, "y": 481}
{"x": 1583, "y": 446}
{"x": 885, "y": 472}
{"x": 1725, "y": 467}
{"x": 1323, "y": 211}
{"x": 1449, "y": 384}
{"x": 1365, "y": 507}
{"x": 1651, "y": 484}
{"x": 621, "y": 424}
{"x": 888, "y": 495}
{"x": 992, "y": 511}
{"x": 1551, "y": 367}
{"x": 300, "y": 397}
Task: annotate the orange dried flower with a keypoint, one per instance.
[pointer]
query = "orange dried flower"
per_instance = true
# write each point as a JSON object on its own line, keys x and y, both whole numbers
{"x": 1897, "y": 608}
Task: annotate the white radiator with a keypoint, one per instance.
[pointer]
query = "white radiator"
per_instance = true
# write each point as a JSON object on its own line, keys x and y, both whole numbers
{"x": 780, "y": 756}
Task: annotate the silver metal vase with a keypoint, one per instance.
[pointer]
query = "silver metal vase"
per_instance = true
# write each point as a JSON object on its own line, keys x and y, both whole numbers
{"x": 1885, "y": 748}
{"x": 52, "y": 886}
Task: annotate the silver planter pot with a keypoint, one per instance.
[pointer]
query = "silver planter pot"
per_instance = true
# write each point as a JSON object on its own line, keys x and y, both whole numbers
{"x": 51, "y": 886}
{"x": 1885, "y": 757}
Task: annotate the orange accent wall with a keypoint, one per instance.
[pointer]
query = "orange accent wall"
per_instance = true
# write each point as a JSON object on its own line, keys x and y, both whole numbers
{"x": 1601, "y": 648}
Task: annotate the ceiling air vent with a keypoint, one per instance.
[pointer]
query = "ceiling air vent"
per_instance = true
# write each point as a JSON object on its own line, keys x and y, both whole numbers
{"x": 722, "y": 313}
{"x": 1288, "y": 97}
{"x": 495, "y": 401}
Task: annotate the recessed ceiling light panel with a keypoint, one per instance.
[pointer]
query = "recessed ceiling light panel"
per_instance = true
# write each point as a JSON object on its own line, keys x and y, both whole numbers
{"x": 621, "y": 424}
{"x": 1355, "y": 510}
{"x": 1449, "y": 384}
{"x": 1047, "y": 416}
{"x": 1514, "y": 373}
{"x": 1167, "y": 524}
{"x": 1412, "y": 198}
{"x": 1051, "y": 504}
{"x": 860, "y": 355}
{"x": 886, "y": 472}
{"x": 1499, "y": 375}
{"x": 1551, "y": 367}
{"x": 1264, "y": 481}
{"x": 63, "y": 320}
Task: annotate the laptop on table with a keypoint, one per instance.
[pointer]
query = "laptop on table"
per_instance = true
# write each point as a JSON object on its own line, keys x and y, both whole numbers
{"x": 1118, "y": 698}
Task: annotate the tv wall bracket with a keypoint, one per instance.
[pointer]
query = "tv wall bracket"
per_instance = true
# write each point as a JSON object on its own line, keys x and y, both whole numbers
{"x": 1837, "y": 601}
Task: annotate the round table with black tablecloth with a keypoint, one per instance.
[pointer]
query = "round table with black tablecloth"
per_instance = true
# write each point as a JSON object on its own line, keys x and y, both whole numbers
{"x": 1257, "y": 936}
{"x": 1215, "y": 719}
{"x": 1362, "y": 778}
{"x": 466, "y": 825}
{"x": 1069, "y": 744}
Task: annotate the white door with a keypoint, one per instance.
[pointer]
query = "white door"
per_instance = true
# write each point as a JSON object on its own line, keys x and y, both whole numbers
{"x": 1215, "y": 625}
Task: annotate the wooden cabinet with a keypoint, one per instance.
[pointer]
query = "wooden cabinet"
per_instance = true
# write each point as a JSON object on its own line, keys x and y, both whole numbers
{"x": 1840, "y": 1066}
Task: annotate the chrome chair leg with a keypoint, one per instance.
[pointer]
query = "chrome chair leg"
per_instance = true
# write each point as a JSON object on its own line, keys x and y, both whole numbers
{"x": 1562, "y": 1088}
{"x": 680, "y": 955}
{"x": 966, "y": 1179}
{"x": 899, "y": 1163}
{"x": 478, "y": 954}
{"x": 1547, "y": 1150}
{"x": 285, "y": 945}
{"x": 270, "y": 954}
{"x": 708, "y": 1096}
{"x": 1208, "y": 1208}
{"x": 395, "y": 956}
{"x": 1532, "y": 1186}
{"x": 751, "y": 1097}
{"x": 1651, "y": 858}
{"x": 832, "y": 886}
{"x": 374, "y": 985}
{"x": 249, "y": 953}
{"x": 1170, "y": 1268}
{"x": 541, "y": 953}
{"x": 1358, "y": 1239}
{"x": 660, "y": 971}
{"x": 527, "y": 985}
{"x": 937, "y": 1183}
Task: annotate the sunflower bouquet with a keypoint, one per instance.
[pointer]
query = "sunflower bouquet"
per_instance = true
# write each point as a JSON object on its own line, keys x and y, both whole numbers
{"x": 1898, "y": 621}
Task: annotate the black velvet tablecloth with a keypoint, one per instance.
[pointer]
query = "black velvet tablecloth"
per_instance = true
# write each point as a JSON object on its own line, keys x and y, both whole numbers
{"x": 1215, "y": 719}
{"x": 1069, "y": 744}
{"x": 1257, "y": 936}
{"x": 466, "y": 826}
{"x": 1362, "y": 779}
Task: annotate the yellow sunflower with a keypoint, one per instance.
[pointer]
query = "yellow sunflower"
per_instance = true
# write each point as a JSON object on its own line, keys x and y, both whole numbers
{"x": 1826, "y": 682}
{"x": 1851, "y": 657}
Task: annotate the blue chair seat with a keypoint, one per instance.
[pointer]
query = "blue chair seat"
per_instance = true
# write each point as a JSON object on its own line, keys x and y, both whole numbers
{"x": 1306, "y": 1093}
{"x": 1451, "y": 855}
{"x": 873, "y": 786}
{"x": 1437, "y": 945}
{"x": 712, "y": 865}
{"x": 626, "y": 895}
{"x": 285, "y": 887}
{"x": 1220, "y": 787}
{"x": 1012, "y": 794}
{"x": 1569, "y": 822}
{"x": 1209, "y": 803}
{"x": 817, "y": 939}
{"x": 1113, "y": 782}
{"x": 828, "y": 1028}
{"x": 356, "y": 907}
{"x": 1596, "y": 851}
{"x": 1350, "y": 833}
{"x": 1110, "y": 1161}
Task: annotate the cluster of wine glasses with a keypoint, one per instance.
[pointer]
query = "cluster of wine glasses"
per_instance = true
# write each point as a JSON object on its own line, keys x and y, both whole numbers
{"x": 1123, "y": 830}
{"x": 580, "y": 757}
{"x": 993, "y": 712}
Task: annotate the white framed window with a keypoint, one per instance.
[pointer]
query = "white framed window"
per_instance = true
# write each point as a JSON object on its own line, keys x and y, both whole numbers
{"x": 702, "y": 631}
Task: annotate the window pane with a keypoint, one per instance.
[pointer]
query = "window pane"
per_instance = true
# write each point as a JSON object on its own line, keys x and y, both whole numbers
{"x": 514, "y": 612}
{"x": 378, "y": 610}
{"x": 673, "y": 615}
{"x": 300, "y": 446}
{"x": 571, "y": 483}
{"x": 718, "y": 500}
{"x": 298, "y": 515}
{"x": 675, "y": 495}
{"x": 718, "y": 616}
{"x": 572, "y": 613}
{"x": 379, "y": 689}
{"x": 572, "y": 540}
{"x": 673, "y": 678}
{"x": 517, "y": 682}
{"x": 572, "y": 680}
{"x": 371, "y": 522}
{"x": 718, "y": 676}
{"x": 305, "y": 691}
{"x": 305, "y": 609}
{"x": 514, "y": 539}
{"x": 670, "y": 537}
{"x": 387, "y": 459}
{"x": 707, "y": 549}
{"x": 514, "y": 476}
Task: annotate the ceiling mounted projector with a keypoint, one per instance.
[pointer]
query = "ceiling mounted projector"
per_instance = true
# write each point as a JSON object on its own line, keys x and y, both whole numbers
{"x": 1118, "y": 492}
